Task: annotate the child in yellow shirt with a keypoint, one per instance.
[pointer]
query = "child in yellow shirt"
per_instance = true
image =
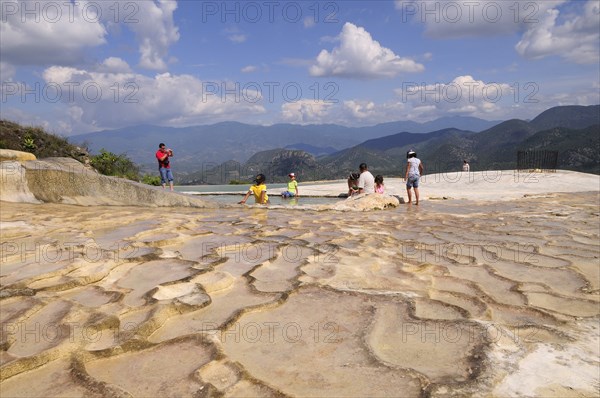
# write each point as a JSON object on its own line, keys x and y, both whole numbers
{"x": 259, "y": 189}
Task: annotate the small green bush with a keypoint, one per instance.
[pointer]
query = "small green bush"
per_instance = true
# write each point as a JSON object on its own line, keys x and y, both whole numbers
{"x": 151, "y": 180}
{"x": 110, "y": 164}
{"x": 29, "y": 143}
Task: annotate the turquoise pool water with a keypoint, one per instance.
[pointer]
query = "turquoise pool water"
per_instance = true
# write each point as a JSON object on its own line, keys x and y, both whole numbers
{"x": 273, "y": 199}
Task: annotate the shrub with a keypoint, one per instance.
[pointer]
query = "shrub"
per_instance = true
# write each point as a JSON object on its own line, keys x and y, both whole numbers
{"x": 29, "y": 143}
{"x": 151, "y": 180}
{"x": 110, "y": 164}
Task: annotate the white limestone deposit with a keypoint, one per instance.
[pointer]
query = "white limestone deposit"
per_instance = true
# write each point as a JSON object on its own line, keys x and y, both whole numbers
{"x": 456, "y": 297}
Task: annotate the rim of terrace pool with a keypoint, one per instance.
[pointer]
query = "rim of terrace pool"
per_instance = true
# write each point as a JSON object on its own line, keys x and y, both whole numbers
{"x": 231, "y": 194}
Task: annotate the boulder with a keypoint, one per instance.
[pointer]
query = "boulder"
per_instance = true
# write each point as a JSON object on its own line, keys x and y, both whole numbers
{"x": 365, "y": 202}
{"x": 13, "y": 183}
{"x": 19, "y": 156}
{"x": 65, "y": 180}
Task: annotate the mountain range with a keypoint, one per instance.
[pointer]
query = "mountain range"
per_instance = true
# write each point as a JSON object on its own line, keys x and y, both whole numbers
{"x": 223, "y": 152}
{"x": 573, "y": 131}
{"x": 198, "y": 147}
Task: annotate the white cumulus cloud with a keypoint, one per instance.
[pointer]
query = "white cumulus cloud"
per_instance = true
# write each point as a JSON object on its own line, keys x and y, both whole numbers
{"x": 155, "y": 31}
{"x": 359, "y": 56}
{"x": 305, "y": 111}
{"x": 249, "y": 69}
{"x": 59, "y": 32}
{"x": 454, "y": 19}
{"x": 38, "y": 33}
{"x": 114, "y": 65}
{"x": 360, "y": 109}
{"x": 577, "y": 39}
{"x": 7, "y": 72}
{"x": 109, "y": 100}
{"x": 353, "y": 112}
{"x": 463, "y": 95}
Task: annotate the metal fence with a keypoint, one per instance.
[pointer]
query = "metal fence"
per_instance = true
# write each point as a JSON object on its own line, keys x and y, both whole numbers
{"x": 537, "y": 160}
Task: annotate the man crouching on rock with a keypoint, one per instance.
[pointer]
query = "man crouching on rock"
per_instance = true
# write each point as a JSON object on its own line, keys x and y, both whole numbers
{"x": 164, "y": 165}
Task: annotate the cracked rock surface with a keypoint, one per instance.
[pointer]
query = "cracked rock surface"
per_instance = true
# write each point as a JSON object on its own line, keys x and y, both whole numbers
{"x": 460, "y": 298}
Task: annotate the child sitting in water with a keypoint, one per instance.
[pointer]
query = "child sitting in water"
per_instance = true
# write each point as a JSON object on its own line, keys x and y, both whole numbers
{"x": 259, "y": 189}
{"x": 292, "y": 187}
{"x": 379, "y": 187}
{"x": 353, "y": 183}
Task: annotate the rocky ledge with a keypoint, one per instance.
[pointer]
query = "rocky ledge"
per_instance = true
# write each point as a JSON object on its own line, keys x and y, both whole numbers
{"x": 65, "y": 180}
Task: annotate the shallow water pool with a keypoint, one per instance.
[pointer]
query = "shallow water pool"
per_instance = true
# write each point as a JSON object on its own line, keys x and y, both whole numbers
{"x": 273, "y": 199}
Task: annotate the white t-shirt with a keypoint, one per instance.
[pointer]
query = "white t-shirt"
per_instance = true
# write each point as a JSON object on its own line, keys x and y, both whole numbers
{"x": 413, "y": 170}
{"x": 366, "y": 181}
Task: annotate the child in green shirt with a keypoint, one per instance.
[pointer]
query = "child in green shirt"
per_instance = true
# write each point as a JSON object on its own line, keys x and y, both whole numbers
{"x": 292, "y": 187}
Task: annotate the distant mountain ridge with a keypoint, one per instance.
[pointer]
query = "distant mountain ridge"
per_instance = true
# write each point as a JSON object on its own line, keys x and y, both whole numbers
{"x": 444, "y": 150}
{"x": 406, "y": 138}
{"x": 331, "y": 151}
{"x": 197, "y": 146}
{"x": 577, "y": 132}
{"x": 569, "y": 116}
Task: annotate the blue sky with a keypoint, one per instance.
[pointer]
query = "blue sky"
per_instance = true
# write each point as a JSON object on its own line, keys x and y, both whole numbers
{"x": 90, "y": 65}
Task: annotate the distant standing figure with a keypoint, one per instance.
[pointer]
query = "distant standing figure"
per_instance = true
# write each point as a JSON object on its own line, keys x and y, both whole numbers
{"x": 366, "y": 181}
{"x": 259, "y": 189}
{"x": 379, "y": 187}
{"x": 466, "y": 166}
{"x": 164, "y": 165}
{"x": 353, "y": 183}
{"x": 414, "y": 169}
{"x": 292, "y": 187}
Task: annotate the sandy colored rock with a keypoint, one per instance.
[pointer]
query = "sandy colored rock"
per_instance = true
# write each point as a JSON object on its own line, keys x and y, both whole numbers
{"x": 448, "y": 298}
{"x": 65, "y": 180}
{"x": 162, "y": 371}
{"x": 13, "y": 183}
{"x": 51, "y": 380}
{"x": 398, "y": 339}
{"x": 364, "y": 202}
{"x": 277, "y": 345}
{"x": 19, "y": 156}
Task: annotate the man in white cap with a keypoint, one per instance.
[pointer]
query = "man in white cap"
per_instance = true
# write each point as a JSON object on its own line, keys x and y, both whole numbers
{"x": 414, "y": 169}
{"x": 292, "y": 187}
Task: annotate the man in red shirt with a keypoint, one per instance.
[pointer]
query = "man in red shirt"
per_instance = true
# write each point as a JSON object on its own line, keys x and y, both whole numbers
{"x": 164, "y": 165}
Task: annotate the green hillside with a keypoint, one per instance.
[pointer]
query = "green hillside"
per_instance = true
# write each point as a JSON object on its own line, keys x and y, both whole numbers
{"x": 578, "y": 150}
{"x": 572, "y": 116}
{"x": 39, "y": 142}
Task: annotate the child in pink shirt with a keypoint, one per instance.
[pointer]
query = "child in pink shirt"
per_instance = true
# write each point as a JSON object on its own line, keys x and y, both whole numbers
{"x": 379, "y": 187}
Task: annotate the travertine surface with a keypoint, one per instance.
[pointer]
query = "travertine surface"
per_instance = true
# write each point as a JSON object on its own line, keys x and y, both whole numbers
{"x": 452, "y": 298}
{"x": 19, "y": 156}
{"x": 67, "y": 181}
